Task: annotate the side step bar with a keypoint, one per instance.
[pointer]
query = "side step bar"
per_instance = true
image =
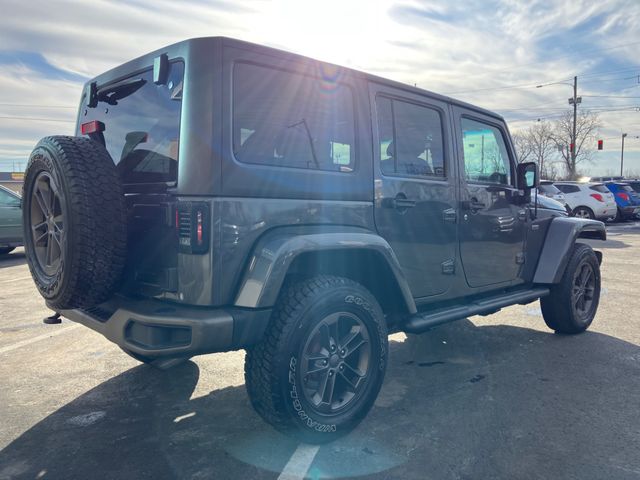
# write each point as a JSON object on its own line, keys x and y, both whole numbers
{"x": 422, "y": 322}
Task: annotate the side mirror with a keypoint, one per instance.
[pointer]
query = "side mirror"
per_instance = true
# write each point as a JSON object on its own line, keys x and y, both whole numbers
{"x": 527, "y": 176}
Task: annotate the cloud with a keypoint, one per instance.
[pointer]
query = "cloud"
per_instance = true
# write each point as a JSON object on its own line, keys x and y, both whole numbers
{"x": 47, "y": 50}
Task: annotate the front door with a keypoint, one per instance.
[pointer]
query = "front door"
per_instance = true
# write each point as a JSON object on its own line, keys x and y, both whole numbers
{"x": 493, "y": 223}
{"x": 414, "y": 186}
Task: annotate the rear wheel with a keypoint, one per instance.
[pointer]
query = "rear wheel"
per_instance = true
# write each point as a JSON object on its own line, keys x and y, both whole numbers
{"x": 583, "y": 212}
{"x": 572, "y": 303}
{"x": 320, "y": 367}
{"x": 5, "y": 250}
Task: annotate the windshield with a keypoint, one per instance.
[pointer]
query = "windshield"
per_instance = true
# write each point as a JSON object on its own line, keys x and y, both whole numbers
{"x": 141, "y": 125}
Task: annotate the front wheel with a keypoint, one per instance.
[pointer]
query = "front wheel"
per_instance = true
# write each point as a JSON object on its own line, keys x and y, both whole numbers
{"x": 572, "y": 303}
{"x": 320, "y": 367}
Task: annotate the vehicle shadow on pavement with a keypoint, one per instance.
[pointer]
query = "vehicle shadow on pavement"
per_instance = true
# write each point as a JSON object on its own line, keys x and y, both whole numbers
{"x": 12, "y": 259}
{"x": 458, "y": 402}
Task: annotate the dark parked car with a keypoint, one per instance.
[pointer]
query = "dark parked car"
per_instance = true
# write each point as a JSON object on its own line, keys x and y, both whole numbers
{"x": 10, "y": 220}
{"x": 549, "y": 207}
{"x": 635, "y": 184}
{"x": 627, "y": 200}
{"x": 296, "y": 209}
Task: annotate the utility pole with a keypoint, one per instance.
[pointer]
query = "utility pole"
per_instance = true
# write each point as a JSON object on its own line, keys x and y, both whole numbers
{"x": 575, "y": 100}
{"x": 622, "y": 155}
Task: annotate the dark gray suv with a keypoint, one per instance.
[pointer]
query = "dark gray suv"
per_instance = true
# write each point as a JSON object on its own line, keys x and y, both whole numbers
{"x": 220, "y": 195}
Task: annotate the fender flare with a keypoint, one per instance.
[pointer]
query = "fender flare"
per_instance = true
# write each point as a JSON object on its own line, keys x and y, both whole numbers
{"x": 561, "y": 236}
{"x": 274, "y": 253}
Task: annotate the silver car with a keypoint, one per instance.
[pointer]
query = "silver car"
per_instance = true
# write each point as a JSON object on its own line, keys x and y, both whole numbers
{"x": 10, "y": 220}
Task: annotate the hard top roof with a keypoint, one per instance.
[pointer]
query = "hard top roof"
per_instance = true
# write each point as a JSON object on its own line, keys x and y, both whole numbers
{"x": 182, "y": 48}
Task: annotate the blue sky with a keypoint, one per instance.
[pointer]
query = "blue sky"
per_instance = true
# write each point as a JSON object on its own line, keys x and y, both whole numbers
{"x": 492, "y": 53}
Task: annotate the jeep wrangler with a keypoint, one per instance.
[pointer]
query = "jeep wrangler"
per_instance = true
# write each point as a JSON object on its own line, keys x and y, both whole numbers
{"x": 219, "y": 195}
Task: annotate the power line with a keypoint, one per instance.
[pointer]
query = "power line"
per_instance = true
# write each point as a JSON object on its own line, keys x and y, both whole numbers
{"x": 37, "y": 119}
{"x": 610, "y": 96}
{"x": 34, "y": 106}
{"x": 555, "y": 82}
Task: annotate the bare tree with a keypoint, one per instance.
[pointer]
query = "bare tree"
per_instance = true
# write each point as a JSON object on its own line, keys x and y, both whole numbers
{"x": 536, "y": 144}
{"x": 522, "y": 146}
{"x": 587, "y": 126}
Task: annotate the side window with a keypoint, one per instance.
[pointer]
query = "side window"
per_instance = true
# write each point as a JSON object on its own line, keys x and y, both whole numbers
{"x": 291, "y": 120}
{"x": 410, "y": 139}
{"x": 7, "y": 200}
{"x": 568, "y": 188}
{"x": 485, "y": 153}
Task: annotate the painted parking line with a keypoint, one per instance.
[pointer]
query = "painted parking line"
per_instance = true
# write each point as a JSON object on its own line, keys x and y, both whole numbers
{"x": 299, "y": 463}
{"x": 44, "y": 336}
{"x": 19, "y": 279}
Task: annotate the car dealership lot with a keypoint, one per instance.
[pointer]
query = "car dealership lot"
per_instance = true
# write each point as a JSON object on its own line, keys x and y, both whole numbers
{"x": 498, "y": 396}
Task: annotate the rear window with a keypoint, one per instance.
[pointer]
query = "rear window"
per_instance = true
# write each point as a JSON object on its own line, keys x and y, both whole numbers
{"x": 626, "y": 188}
{"x": 290, "y": 120}
{"x": 550, "y": 189}
{"x": 142, "y": 125}
{"x": 599, "y": 188}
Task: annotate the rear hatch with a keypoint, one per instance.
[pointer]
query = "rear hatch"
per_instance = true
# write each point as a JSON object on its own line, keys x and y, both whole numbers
{"x": 138, "y": 121}
{"x": 603, "y": 194}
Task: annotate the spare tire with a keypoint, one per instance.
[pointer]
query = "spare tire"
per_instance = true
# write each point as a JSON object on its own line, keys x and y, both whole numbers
{"x": 74, "y": 219}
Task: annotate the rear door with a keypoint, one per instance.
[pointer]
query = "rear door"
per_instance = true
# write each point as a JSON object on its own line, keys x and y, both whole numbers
{"x": 415, "y": 194}
{"x": 492, "y": 223}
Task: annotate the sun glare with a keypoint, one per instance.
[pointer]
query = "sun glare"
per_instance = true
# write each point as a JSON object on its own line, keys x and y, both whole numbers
{"x": 347, "y": 33}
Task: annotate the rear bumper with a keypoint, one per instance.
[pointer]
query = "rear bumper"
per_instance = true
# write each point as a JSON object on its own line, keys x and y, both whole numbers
{"x": 161, "y": 329}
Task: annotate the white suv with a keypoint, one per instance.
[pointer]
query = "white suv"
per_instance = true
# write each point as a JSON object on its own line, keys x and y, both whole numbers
{"x": 588, "y": 200}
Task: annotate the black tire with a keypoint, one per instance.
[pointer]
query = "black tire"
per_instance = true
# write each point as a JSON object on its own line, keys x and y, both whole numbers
{"x": 561, "y": 308}
{"x": 584, "y": 212}
{"x": 619, "y": 215}
{"x": 274, "y": 368}
{"x": 85, "y": 222}
{"x": 6, "y": 250}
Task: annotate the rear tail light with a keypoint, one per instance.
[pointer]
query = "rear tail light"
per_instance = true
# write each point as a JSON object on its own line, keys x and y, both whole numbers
{"x": 192, "y": 227}
{"x": 623, "y": 196}
{"x": 199, "y": 227}
{"x": 598, "y": 197}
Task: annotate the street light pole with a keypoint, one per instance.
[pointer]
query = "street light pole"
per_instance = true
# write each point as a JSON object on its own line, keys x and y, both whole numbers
{"x": 622, "y": 155}
{"x": 575, "y": 119}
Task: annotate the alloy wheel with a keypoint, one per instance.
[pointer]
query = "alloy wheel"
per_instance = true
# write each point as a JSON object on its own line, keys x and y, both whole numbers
{"x": 47, "y": 224}
{"x": 336, "y": 360}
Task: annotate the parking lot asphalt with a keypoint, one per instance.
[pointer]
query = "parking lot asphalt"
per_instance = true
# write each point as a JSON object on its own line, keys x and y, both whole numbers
{"x": 487, "y": 397}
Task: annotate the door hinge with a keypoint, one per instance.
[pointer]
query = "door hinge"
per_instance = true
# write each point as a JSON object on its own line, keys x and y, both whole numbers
{"x": 520, "y": 258}
{"x": 449, "y": 267}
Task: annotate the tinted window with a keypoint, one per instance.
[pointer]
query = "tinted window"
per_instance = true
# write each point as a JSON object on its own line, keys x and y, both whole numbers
{"x": 8, "y": 200}
{"x": 550, "y": 189}
{"x": 485, "y": 153}
{"x": 410, "y": 139}
{"x": 599, "y": 188}
{"x": 142, "y": 125}
{"x": 290, "y": 120}
{"x": 635, "y": 186}
{"x": 568, "y": 188}
{"x": 625, "y": 188}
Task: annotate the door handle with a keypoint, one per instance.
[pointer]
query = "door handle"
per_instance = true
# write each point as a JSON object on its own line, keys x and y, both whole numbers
{"x": 474, "y": 205}
{"x": 399, "y": 202}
